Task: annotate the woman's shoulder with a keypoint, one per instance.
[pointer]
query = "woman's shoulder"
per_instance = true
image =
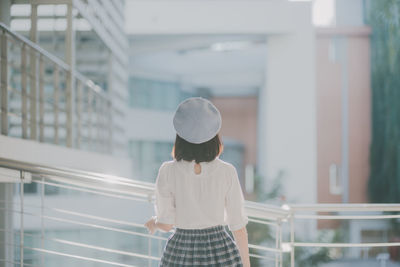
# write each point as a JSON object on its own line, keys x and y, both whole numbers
{"x": 167, "y": 164}
{"x": 225, "y": 164}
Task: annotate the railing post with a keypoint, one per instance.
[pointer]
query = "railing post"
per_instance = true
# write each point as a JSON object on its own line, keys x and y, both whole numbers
{"x": 98, "y": 123}
{"x": 109, "y": 125}
{"x": 68, "y": 108}
{"x": 33, "y": 75}
{"x": 41, "y": 99}
{"x": 4, "y": 84}
{"x": 276, "y": 244}
{"x": 292, "y": 239}
{"x": 79, "y": 115}
{"x": 89, "y": 110}
{"x": 69, "y": 56}
{"x": 56, "y": 85}
{"x": 103, "y": 125}
{"x": 24, "y": 82}
{"x": 21, "y": 232}
{"x": 149, "y": 252}
{"x": 42, "y": 193}
{"x": 280, "y": 244}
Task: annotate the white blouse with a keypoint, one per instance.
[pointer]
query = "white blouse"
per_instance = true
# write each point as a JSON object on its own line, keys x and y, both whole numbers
{"x": 195, "y": 201}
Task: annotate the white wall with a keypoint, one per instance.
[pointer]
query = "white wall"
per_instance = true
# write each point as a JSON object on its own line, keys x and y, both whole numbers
{"x": 146, "y": 124}
{"x": 211, "y": 17}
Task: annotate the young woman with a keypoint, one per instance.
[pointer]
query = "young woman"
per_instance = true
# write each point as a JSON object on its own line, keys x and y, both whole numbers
{"x": 198, "y": 193}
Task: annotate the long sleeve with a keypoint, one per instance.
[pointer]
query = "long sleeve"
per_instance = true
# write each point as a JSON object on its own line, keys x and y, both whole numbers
{"x": 165, "y": 199}
{"x": 236, "y": 216}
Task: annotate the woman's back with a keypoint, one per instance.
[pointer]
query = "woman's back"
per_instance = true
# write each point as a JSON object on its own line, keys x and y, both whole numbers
{"x": 195, "y": 201}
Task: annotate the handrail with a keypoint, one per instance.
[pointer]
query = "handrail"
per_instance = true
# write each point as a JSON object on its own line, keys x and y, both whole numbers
{"x": 88, "y": 178}
{"x": 54, "y": 59}
{"x": 34, "y": 46}
{"x": 121, "y": 185}
{"x": 345, "y": 207}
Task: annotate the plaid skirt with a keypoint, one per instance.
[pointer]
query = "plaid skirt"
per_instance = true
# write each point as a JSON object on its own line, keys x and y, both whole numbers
{"x": 201, "y": 247}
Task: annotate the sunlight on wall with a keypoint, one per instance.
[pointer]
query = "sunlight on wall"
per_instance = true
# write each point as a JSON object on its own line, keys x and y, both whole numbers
{"x": 324, "y": 13}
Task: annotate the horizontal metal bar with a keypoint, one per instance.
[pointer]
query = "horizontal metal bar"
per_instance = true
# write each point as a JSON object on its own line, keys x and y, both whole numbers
{"x": 347, "y": 217}
{"x": 92, "y": 191}
{"x": 344, "y": 207}
{"x": 263, "y": 222}
{"x": 88, "y": 246}
{"x": 90, "y": 225}
{"x": 98, "y": 248}
{"x": 261, "y": 257}
{"x": 346, "y": 245}
{"x": 79, "y": 175}
{"x": 275, "y": 250}
{"x": 78, "y": 257}
{"x": 83, "y": 215}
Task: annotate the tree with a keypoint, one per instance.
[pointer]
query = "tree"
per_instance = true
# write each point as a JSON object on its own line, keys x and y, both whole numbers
{"x": 384, "y": 182}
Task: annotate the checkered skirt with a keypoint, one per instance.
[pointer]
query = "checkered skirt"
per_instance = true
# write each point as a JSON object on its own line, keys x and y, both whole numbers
{"x": 201, "y": 247}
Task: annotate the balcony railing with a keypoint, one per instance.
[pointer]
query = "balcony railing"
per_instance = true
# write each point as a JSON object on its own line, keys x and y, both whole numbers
{"x": 102, "y": 208}
{"x": 44, "y": 99}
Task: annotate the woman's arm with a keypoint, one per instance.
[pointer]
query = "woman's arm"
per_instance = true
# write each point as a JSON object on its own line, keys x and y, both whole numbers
{"x": 164, "y": 227}
{"x": 152, "y": 226}
{"x": 242, "y": 242}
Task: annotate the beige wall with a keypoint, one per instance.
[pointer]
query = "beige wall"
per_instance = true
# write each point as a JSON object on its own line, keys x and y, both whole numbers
{"x": 329, "y": 108}
{"x": 239, "y": 122}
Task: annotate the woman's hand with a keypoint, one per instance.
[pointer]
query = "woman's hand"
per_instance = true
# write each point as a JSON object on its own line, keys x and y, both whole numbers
{"x": 151, "y": 225}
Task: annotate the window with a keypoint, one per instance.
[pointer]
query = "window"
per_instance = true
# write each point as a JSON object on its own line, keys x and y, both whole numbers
{"x": 147, "y": 157}
{"x": 153, "y": 94}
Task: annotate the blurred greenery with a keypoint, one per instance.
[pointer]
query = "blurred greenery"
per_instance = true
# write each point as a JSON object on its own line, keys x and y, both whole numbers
{"x": 313, "y": 257}
{"x": 384, "y": 182}
{"x": 262, "y": 234}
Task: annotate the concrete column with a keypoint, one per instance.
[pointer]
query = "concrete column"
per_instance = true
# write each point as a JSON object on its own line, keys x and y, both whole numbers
{"x": 6, "y": 189}
{"x": 5, "y": 7}
{"x": 33, "y": 69}
{"x": 288, "y": 114}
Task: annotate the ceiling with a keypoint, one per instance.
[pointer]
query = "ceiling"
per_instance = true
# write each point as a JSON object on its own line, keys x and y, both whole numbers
{"x": 226, "y": 65}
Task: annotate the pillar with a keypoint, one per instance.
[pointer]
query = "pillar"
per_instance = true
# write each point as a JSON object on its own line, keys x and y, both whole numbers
{"x": 287, "y": 114}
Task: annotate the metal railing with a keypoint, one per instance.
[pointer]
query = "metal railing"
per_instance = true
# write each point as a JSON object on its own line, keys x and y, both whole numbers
{"x": 37, "y": 217}
{"x": 44, "y": 99}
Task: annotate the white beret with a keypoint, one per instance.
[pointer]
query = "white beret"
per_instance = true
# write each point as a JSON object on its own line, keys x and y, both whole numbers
{"x": 197, "y": 120}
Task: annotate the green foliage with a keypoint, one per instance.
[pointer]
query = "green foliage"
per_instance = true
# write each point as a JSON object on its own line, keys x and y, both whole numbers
{"x": 384, "y": 183}
{"x": 313, "y": 257}
{"x": 262, "y": 234}
{"x": 275, "y": 188}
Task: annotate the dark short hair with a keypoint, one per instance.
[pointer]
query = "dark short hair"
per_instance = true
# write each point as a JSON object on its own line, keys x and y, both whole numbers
{"x": 204, "y": 152}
